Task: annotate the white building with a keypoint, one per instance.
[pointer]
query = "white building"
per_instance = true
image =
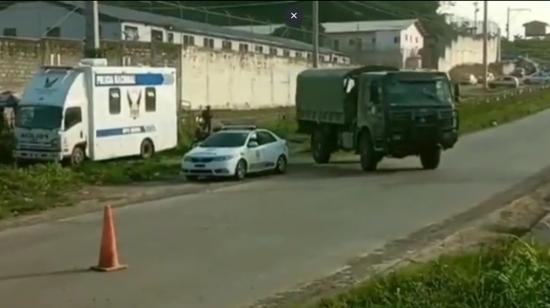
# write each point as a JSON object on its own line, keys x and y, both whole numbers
{"x": 380, "y": 42}
{"x": 65, "y": 19}
{"x": 386, "y": 42}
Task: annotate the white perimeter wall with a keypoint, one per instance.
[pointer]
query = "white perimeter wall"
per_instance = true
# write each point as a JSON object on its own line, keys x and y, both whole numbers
{"x": 467, "y": 50}
{"x": 232, "y": 80}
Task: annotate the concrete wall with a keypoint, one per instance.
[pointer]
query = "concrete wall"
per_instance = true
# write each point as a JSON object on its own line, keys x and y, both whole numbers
{"x": 467, "y": 50}
{"x": 222, "y": 79}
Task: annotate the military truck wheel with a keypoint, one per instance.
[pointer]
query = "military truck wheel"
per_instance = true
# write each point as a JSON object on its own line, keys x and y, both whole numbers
{"x": 369, "y": 158}
{"x": 320, "y": 147}
{"x": 430, "y": 158}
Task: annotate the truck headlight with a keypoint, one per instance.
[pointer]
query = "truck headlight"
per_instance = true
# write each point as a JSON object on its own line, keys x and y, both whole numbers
{"x": 187, "y": 158}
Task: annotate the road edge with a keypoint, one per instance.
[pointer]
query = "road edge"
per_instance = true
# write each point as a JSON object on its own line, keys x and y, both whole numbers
{"x": 512, "y": 213}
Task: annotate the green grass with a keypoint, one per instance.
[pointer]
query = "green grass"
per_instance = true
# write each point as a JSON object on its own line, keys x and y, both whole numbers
{"x": 511, "y": 275}
{"x": 477, "y": 114}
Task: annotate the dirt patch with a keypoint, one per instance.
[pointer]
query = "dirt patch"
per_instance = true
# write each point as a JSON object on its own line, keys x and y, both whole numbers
{"x": 511, "y": 213}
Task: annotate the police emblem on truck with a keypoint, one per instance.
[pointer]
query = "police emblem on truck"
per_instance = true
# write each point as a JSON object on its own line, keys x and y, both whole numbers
{"x": 134, "y": 102}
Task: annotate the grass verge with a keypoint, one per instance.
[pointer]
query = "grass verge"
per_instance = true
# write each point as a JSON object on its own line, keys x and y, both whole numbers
{"x": 512, "y": 275}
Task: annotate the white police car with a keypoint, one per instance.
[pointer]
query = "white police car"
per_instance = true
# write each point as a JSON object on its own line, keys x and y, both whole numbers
{"x": 236, "y": 151}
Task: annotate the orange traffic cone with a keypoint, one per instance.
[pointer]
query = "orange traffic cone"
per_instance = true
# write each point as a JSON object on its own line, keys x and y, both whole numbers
{"x": 108, "y": 256}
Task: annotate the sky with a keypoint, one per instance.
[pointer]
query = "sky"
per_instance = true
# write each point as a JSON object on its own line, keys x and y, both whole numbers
{"x": 540, "y": 10}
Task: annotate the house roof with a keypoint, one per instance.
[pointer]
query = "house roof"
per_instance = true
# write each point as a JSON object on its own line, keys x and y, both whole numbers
{"x": 535, "y": 22}
{"x": 370, "y": 26}
{"x": 260, "y": 29}
{"x": 177, "y": 24}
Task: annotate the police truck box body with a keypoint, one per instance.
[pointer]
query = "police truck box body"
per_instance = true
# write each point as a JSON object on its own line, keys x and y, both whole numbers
{"x": 97, "y": 112}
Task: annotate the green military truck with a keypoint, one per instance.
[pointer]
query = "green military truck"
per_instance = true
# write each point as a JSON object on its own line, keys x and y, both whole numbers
{"x": 377, "y": 112}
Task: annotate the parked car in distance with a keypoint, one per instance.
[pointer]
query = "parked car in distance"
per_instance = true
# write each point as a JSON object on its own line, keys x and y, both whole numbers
{"x": 537, "y": 79}
{"x": 236, "y": 151}
{"x": 504, "y": 82}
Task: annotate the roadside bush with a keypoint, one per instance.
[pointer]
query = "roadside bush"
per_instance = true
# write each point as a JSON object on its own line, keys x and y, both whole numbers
{"x": 512, "y": 275}
{"x": 34, "y": 188}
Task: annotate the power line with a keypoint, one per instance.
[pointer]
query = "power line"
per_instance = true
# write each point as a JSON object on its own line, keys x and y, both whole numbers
{"x": 269, "y": 3}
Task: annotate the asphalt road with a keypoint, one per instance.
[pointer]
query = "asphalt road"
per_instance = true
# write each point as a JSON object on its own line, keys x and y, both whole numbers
{"x": 229, "y": 247}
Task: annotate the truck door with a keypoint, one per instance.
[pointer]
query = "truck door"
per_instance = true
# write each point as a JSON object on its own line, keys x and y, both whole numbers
{"x": 73, "y": 129}
{"x": 372, "y": 110}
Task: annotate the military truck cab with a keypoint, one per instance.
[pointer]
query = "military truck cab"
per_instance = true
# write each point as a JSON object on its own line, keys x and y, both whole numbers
{"x": 378, "y": 112}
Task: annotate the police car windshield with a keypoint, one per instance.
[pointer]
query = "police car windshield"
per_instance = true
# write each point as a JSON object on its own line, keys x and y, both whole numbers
{"x": 44, "y": 117}
{"x": 419, "y": 91}
{"x": 225, "y": 140}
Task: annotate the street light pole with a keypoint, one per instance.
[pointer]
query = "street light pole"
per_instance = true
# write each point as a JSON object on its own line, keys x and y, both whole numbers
{"x": 485, "y": 39}
{"x": 92, "y": 29}
{"x": 315, "y": 12}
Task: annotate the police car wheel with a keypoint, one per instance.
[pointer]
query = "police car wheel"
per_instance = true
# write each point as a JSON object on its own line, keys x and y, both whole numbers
{"x": 240, "y": 170}
{"x": 281, "y": 166}
{"x": 147, "y": 149}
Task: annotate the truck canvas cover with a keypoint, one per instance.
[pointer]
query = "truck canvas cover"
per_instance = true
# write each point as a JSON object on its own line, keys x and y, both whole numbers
{"x": 321, "y": 93}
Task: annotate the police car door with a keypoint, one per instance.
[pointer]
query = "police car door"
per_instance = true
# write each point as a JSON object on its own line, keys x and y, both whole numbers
{"x": 253, "y": 152}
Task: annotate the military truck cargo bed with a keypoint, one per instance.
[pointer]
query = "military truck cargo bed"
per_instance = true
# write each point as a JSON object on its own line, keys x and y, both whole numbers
{"x": 322, "y": 95}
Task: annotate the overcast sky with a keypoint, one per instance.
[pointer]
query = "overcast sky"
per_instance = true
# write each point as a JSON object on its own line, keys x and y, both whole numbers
{"x": 540, "y": 10}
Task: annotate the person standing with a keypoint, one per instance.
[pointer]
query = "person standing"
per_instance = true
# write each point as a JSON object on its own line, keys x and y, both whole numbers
{"x": 207, "y": 120}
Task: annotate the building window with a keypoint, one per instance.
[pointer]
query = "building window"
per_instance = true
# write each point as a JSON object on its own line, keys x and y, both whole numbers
{"x": 208, "y": 43}
{"x": 309, "y": 56}
{"x": 373, "y": 40}
{"x": 273, "y": 51}
{"x": 53, "y": 32}
{"x": 286, "y": 53}
{"x": 157, "y": 36}
{"x": 226, "y": 45}
{"x": 259, "y": 49}
{"x": 150, "y": 100}
{"x": 406, "y": 37}
{"x": 298, "y": 54}
{"x": 188, "y": 40}
{"x": 336, "y": 45}
{"x": 396, "y": 40}
{"x": 114, "y": 101}
{"x": 351, "y": 42}
{"x": 359, "y": 44}
{"x": 243, "y": 47}
{"x": 131, "y": 33}
{"x": 10, "y": 32}
{"x": 170, "y": 37}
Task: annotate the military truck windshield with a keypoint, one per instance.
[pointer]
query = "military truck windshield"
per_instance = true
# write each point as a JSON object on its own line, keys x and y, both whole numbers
{"x": 44, "y": 117}
{"x": 419, "y": 91}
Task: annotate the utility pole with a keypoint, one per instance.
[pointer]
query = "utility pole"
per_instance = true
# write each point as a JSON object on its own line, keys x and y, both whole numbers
{"x": 508, "y": 13}
{"x": 315, "y": 13}
{"x": 485, "y": 39}
{"x": 476, "y": 10}
{"x": 91, "y": 49}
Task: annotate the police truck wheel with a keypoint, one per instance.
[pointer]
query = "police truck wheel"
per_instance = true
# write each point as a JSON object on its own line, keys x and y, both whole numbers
{"x": 320, "y": 147}
{"x": 369, "y": 158}
{"x": 77, "y": 156}
{"x": 430, "y": 158}
{"x": 240, "y": 170}
{"x": 147, "y": 149}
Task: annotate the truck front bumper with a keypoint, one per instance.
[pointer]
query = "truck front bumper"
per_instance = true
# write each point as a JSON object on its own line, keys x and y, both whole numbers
{"x": 38, "y": 155}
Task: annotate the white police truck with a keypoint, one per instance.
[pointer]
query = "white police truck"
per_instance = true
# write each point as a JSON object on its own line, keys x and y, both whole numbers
{"x": 97, "y": 112}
